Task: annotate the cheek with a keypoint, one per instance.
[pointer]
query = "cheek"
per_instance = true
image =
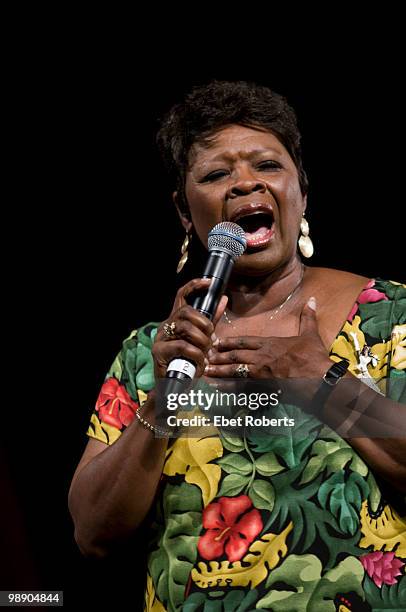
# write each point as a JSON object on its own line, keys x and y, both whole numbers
{"x": 291, "y": 207}
{"x": 205, "y": 211}
{"x": 291, "y": 199}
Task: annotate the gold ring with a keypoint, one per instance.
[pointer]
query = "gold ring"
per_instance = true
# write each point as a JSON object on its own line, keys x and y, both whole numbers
{"x": 169, "y": 329}
{"x": 242, "y": 371}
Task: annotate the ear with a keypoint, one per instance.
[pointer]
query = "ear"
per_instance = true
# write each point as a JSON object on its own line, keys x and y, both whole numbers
{"x": 184, "y": 214}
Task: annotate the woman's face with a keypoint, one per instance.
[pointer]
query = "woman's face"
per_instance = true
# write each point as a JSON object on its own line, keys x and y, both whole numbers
{"x": 246, "y": 175}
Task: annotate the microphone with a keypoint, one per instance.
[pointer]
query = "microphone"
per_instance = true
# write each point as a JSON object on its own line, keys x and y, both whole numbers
{"x": 226, "y": 243}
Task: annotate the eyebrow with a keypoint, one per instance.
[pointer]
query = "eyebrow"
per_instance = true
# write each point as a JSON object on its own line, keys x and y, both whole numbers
{"x": 253, "y": 153}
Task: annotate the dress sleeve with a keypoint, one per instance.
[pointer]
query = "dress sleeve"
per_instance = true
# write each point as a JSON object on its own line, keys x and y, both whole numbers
{"x": 125, "y": 387}
{"x": 397, "y": 362}
{"x": 376, "y": 325}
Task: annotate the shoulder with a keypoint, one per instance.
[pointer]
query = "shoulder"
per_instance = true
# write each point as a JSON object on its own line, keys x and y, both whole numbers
{"x": 336, "y": 289}
{"x": 334, "y": 286}
{"x": 341, "y": 294}
{"x": 330, "y": 277}
{"x": 336, "y": 292}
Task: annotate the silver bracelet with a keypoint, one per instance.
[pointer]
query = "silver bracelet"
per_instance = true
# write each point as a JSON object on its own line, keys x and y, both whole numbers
{"x": 162, "y": 432}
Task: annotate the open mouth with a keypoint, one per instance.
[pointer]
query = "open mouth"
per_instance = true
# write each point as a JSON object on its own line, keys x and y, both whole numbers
{"x": 258, "y": 228}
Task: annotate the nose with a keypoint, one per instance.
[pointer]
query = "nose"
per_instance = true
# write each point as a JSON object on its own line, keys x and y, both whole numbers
{"x": 244, "y": 185}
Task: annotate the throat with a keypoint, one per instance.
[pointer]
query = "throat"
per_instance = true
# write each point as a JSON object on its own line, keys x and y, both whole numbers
{"x": 268, "y": 297}
{"x": 284, "y": 325}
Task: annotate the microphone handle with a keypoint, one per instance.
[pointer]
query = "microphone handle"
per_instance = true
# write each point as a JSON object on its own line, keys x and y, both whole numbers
{"x": 218, "y": 268}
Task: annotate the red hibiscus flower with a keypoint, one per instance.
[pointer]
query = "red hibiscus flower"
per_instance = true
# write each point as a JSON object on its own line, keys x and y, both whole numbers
{"x": 366, "y": 296}
{"x": 229, "y": 527}
{"x": 114, "y": 405}
{"x": 382, "y": 567}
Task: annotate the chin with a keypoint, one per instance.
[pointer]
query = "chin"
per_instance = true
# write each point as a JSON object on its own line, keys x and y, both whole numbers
{"x": 258, "y": 263}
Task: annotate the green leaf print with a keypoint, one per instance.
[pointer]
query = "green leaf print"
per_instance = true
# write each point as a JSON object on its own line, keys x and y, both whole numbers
{"x": 235, "y": 464}
{"x": 129, "y": 363}
{"x": 292, "y": 444}
{"x": 375, "y": 318}
{"x": 343, "y": 496}
{"x": 374, "y": 496}
{"x": 145, "y": 368}
{"x": 232, "y": 443}
{"x": 116, "y": 369}
{"x": 268, "y": 465}
{"x": 397, "y": 386}
{"x": 170, "y": 565}
{"x": 388, "y": 597}
{"x": 308, "y": 590}
{"x": 234, "y": 601}
{"x": 332, "y": 454}
{"x": 232, "y": 485}
{"x": 262, "y": 494}
{"x": 390, "y": 289}
{"x": 299, "y": 504}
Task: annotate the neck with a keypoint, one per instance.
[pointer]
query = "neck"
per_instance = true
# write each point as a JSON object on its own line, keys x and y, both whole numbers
{"x": 249, "y": 296}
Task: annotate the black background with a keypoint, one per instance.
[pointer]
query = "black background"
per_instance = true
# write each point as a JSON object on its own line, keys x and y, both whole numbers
{"x": 96, "y": 243}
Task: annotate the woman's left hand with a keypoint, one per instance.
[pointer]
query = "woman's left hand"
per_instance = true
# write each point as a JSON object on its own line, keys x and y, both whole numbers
{"x": 302, "y": 356}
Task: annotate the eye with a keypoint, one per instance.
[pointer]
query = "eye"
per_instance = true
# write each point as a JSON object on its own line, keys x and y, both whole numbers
{"x": 214, "y": 176}
{"x": 269, "y": 164}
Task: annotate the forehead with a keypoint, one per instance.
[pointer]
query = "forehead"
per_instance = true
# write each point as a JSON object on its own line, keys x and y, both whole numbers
{"x": 235, "y": 141}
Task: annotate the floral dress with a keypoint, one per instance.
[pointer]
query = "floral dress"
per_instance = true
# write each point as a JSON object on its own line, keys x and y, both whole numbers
{"x": 284, "y": 524}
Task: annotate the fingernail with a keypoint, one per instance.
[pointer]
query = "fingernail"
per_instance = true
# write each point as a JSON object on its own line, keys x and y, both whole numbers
{"x": 210, "y": 353}
{"x": 206, "y": 362}
{"x": 214, "y": 339}
{"x": 312, "y": 303}
{"x": 206, "y": 369}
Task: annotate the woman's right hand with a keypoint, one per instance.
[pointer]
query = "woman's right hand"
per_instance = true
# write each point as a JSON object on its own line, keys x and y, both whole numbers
{"x": 193, "y": 331}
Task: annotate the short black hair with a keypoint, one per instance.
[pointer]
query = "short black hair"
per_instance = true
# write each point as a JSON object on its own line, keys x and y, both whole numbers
{"x": 208, "y": 108}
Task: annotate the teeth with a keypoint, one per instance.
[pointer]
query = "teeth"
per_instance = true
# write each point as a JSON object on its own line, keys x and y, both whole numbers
{"x": 259, "y": 235}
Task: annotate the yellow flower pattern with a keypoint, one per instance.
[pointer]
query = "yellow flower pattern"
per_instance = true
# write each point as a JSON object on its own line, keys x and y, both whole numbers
{"x": 192, "y": 457}
{"x": 384, "y": 532}
{"x": 344, "y": 345}
{"x": 399, "y": 347}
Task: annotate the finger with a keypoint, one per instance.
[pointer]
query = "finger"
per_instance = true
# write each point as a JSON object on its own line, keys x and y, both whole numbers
{"x": 190, "y": 287}
{"x": 239, "y": 342}
{"x": 194, "y": 317}
{"x": 164, "y": 352}
{"x": 220, "y": 309}
{"x": 184, "y": 317}
{"x": 223, "y": 371}
{"x": 186, "y": 330}
{"x": 234, "y": 356}
{"x": 308, "y": 319}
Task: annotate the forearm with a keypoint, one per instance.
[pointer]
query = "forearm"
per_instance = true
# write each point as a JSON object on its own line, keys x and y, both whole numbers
{"x": 373, "y": 424}
{"x": 114, "y": 491}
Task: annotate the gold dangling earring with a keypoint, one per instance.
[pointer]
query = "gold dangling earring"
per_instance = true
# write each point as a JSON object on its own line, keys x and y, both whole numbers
{"x": 305, "y": 242}
{"x": 184, "y": 252}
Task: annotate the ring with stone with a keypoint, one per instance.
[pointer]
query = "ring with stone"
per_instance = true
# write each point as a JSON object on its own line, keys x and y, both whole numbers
{"x": 242, "y": 371}
{"x": 169, "y": 329}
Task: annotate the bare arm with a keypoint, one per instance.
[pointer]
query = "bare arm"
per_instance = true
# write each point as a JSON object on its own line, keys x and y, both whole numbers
{"x": 373, "y": 424}
{"x": 114, "y": 486}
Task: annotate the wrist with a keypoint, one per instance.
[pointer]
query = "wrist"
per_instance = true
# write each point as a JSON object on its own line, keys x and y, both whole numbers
{"x": 148, "y": 421}
{"x": 329, "y": 380}
{"x": 321, "y": 365}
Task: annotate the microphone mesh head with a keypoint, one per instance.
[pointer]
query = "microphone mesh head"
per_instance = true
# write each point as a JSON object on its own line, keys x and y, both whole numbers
{"x": 228, "y": 237}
